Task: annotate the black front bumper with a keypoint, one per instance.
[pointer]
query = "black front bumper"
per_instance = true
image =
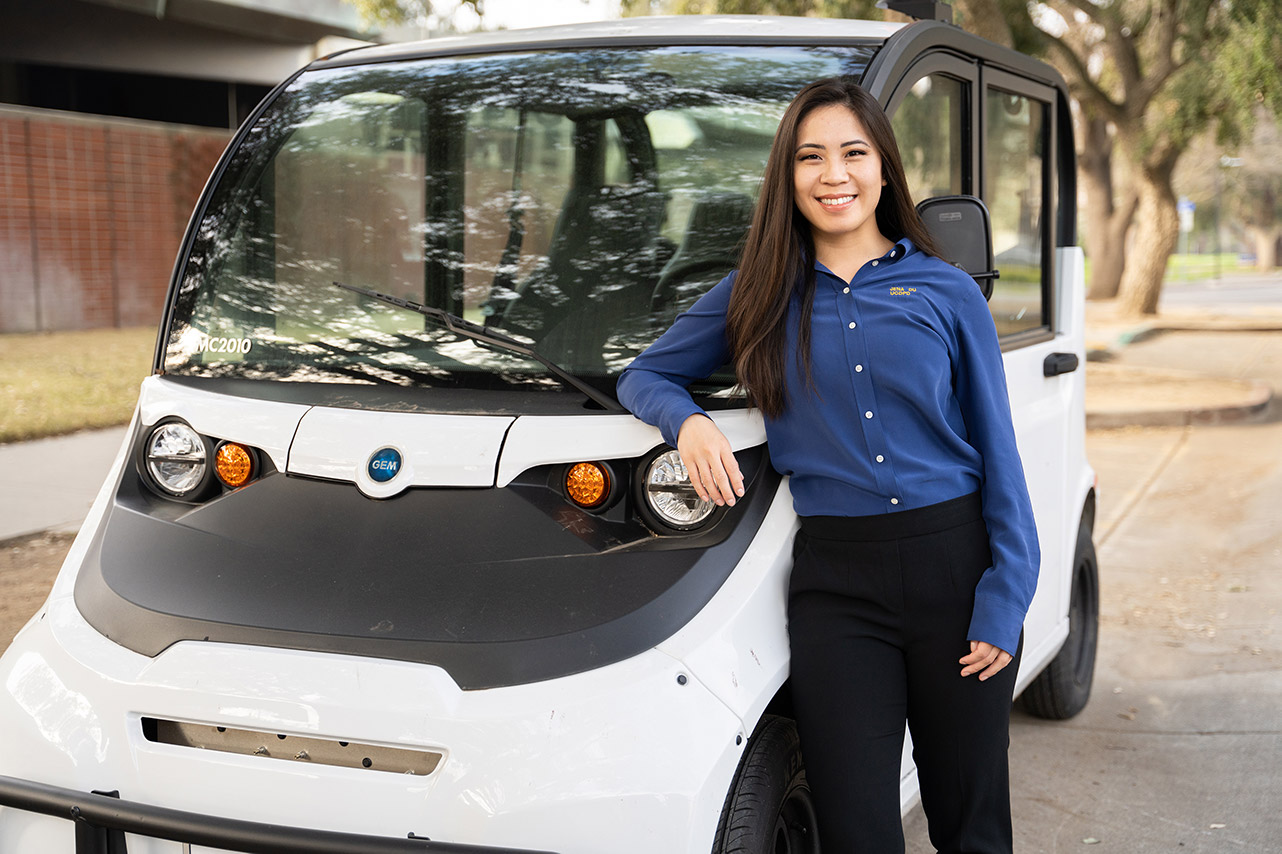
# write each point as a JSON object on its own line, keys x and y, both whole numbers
{"x": 103, "y": 819}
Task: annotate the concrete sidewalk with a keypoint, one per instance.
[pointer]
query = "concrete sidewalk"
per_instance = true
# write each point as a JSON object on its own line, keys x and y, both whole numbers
{"x": 1123, "y": 395}
{"x": 49, "y": 484}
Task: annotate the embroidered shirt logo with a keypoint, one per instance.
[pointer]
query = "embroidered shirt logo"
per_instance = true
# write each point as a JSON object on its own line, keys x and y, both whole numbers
{"x": 902, "y": 292}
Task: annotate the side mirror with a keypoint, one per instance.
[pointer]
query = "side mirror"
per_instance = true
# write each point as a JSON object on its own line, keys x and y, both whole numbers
{"x": 964, "y": 234}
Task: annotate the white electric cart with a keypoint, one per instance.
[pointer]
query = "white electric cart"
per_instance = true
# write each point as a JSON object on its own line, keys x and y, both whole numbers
{"x": 383, "y": 565}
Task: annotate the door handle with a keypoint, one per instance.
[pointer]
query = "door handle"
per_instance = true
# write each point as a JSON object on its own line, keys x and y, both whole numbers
{"x": 1059, "y": 363}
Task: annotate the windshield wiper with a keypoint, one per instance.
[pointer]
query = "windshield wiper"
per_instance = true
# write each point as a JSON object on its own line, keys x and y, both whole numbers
{"x": 468, "y": 329}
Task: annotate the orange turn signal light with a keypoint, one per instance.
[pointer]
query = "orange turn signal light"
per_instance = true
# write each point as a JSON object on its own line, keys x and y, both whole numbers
{"x": 234, "y": 464}
{"x": 587, "y": 484}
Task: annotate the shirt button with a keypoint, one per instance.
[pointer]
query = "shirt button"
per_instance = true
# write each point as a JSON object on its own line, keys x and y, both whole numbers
{"x": 880, "y": 458}
{"x": 875, "y": 263}
{"x": 845, "y": 290}
{"x": 892, "y": 253}
{"x": 894, "y": 501}
{"x": 852, "y": 324}
{"x": 868, "y": 414}
{"x": 859, "y": 369}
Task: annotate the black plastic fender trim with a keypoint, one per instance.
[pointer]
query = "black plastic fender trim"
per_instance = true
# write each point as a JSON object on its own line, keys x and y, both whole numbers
{"x": 401, "y": 579}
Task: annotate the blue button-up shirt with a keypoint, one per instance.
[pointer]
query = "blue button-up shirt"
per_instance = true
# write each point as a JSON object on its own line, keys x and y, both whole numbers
{"x": 909, "y": 408}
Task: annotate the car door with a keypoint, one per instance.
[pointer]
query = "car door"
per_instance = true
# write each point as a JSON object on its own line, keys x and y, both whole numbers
{"x": 1017, "y": 161}
{"x": 966, "y": 127}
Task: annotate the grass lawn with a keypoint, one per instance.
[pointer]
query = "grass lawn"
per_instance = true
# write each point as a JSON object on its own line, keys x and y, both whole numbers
{"x": 1191, "y": 268}
{"x": 60, "y": 382}
{"x": 1194, "y": 268}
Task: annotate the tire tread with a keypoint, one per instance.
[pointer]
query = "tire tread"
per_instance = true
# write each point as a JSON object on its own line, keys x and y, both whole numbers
{"x": 1054, "y": 694}
{"x": 748, "y": 817}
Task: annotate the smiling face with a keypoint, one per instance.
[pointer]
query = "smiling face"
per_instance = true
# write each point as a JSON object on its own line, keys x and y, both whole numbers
{"x": 837, "y": 178}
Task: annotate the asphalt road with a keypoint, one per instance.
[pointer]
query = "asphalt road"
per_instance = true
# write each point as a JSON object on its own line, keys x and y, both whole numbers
{"x": 1179, "y": 747}
{"x": 1231, "y": 293}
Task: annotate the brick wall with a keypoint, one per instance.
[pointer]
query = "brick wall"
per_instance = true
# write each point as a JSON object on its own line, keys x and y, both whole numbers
{"x": 92, "y": 211}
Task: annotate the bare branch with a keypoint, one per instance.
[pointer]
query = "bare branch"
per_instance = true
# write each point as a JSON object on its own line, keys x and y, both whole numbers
{"x": 1080, "y": 83}
{"x": 1121, "y": 44}
{"x": 1164, "y": 64}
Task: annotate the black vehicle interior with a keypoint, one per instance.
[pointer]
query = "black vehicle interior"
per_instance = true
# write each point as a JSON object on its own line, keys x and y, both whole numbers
{"x": 612, "y": 280}
{"x": 708, "y": 250}
{"x": 605, "y": 256}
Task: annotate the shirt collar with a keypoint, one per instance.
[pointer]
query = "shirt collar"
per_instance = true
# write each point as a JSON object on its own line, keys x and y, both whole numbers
{"x": 902, "y": 249}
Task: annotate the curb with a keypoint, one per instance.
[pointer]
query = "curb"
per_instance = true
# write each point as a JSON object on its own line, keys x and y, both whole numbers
{"x": 1254, "y": 400}
{"x": 70, "y": 527}
{"x": 1255, "y": 405}
{"x": 1101, "y": 348}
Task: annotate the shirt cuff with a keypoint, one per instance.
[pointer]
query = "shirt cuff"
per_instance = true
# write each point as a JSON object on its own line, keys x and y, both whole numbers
{"x": 670, "y": 426}
{"x": 996, "y": 622}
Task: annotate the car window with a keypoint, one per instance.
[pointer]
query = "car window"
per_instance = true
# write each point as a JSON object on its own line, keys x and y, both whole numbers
{"x": 1015, "y": 169}
{"x": 932, "y": 130}
{"x": 359, "y": 160}
{"x": 509, "y": 217}
{"x": 619, "y": 167}
{"x": 575, "y": 200}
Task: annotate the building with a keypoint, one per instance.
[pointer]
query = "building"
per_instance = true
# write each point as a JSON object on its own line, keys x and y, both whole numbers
{"x": 112, "y": 115}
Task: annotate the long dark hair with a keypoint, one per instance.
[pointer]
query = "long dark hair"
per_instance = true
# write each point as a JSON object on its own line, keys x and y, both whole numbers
{"x": 779, "y": 253}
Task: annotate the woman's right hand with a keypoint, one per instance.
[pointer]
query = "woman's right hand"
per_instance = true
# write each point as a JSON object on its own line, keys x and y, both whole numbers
{"x": 706, "y": 454}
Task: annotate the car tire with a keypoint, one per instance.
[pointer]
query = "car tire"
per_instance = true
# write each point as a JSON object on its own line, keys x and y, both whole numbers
{"x": 1062, "y": 689}
{"x": 769, "y": 809}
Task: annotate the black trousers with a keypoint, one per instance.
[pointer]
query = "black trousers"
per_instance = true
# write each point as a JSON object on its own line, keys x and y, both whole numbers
{"x": 878, "y": 611}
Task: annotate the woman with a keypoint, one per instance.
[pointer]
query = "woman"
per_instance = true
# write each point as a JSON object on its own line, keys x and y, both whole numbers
{"x": 877, "y": 368}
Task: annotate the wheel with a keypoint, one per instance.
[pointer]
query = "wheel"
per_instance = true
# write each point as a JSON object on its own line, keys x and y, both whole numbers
{"x": 1062, "y": 689}
{"x": 769, "y": 810}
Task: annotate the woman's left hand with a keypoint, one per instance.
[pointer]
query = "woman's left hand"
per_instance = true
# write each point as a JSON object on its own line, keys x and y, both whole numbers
{"x": 984, "y": 655}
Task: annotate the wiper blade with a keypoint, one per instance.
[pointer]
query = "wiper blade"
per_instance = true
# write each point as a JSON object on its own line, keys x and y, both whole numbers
{"x": 468, "y": 329}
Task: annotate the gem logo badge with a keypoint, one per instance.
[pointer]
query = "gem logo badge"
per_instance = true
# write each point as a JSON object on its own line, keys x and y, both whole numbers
{"x": 383, "y": 465}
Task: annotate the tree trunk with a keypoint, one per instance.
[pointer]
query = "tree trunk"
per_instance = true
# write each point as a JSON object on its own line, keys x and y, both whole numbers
{"x": 1106, "y": 224}
{"x": 1265, "y": 231}
{"x": 1157, "y": 230}
{"x": 1266, "y": 240}
{"x": 1108, "y": 255}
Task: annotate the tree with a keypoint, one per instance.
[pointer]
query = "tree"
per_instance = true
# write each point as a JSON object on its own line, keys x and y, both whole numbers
{"x": 391, "y": 13}
{"x": 1259, "y": 202}
{"x": 1149, "y": 76}
{"x": 1237, "y": 192}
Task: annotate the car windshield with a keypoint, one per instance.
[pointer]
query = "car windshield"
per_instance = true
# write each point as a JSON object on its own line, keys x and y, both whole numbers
{"x": 573, "y": 200}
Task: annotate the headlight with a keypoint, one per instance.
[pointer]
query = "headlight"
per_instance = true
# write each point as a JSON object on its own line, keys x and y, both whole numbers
{"x": 176, "y": 458}
{"x": 671, "y": 496}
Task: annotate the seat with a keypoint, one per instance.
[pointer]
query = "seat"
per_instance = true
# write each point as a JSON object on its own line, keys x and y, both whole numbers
{"x": 709, "y": 250}
{"x": 598, "y": 277}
